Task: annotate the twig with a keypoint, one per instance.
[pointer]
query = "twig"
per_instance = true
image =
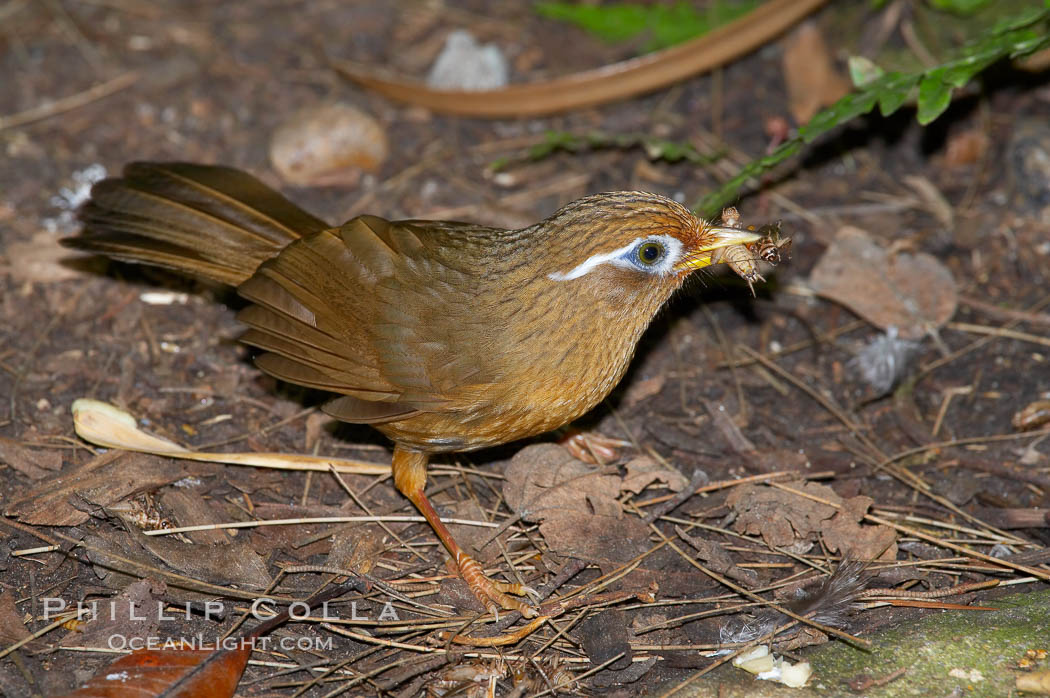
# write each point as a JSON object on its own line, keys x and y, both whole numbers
{"x": 1006, "y": 313}
{"x": 855, "y": 641}
{"x": 65, "y": 104}
{"x": 588, "y": 88}
{"x": 998, "y": 332}
{"x": 311, "y": 520}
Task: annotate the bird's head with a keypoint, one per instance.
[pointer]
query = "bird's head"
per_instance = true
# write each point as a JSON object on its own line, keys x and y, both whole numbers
{"x": 629, "y": 243}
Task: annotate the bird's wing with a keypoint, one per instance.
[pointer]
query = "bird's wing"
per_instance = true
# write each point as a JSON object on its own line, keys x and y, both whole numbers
{"x": 367, "y": 310}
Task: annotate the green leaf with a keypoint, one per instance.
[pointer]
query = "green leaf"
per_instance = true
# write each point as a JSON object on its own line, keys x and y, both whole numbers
{"x": 712, "y": 204}
{"x": 1016, "y": 36}
{"x": 862, "y": 71}
{"x": 846, "y": 109}
{"x": 893, "y": 90}
{"x": 934, "y": 98}
{"x": 664, "y": 24}
{"x": 960, "y": 7}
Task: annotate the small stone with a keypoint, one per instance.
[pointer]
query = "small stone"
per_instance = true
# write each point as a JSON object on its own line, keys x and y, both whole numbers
{"x": 328, "y": 145}
{"x": 464, "y": 64}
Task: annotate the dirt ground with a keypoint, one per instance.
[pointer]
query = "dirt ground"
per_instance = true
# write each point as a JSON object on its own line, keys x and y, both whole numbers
{"x": 932, "y": 474}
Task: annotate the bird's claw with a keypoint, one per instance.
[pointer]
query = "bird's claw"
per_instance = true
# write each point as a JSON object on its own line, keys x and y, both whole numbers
{"x": 493, "y": 594}
{"x": 593, "y": 448}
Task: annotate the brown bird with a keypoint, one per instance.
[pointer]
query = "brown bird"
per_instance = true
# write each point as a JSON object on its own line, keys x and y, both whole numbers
{"x": 445, "y": 336}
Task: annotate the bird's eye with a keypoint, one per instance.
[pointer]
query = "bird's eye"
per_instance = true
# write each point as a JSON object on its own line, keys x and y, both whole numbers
{"x": 649, "y": 253}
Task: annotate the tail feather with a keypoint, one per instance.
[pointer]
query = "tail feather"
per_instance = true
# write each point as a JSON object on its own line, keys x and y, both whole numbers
{"x": 210, "y": 221}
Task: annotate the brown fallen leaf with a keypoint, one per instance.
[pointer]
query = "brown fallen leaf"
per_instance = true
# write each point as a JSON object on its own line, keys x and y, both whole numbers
{"x": 912, "y": 292}
{"x": 35, "y": 464}
{"x": 12, "y": 627}
{"x": 643, "y": 389}
{"x": 601, "y": 85}
{"x": 810, "y": 74}
{"x": 603, "y": 636}
{"x": 105, "y": 552}
{"x": 172, "y": 673}
{"x": 718, "y": 559}
{"x": 186, "y": 507}
{"x": 780, "y": 517}
{"x": 643, "y": 471}
{"x": 544, "y": 480}
{"x": 357, "y": 549}
{"x": 845, "y": 533}
{"x": 592, "y": 537}
{"x": 68, "y": 498}
{"x": 863, "y": 542}
{"x": 186, "y": 672}
{"x": 300, "y": 542}
{"x": 575, "y": 504}
{"x": 233, "y": 563}
{"x": 133, "y": 615}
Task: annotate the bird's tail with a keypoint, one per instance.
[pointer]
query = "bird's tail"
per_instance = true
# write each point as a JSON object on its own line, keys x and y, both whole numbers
{"x": 215, "y": 222}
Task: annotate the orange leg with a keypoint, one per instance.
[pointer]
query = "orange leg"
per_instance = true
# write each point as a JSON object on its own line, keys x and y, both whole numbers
{"x": 410, "y": 477}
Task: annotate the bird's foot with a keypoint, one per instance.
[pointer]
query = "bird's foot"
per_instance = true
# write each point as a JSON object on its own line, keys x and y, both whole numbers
{"x": 493, "y": 594}
{"x": 591, "y": 447}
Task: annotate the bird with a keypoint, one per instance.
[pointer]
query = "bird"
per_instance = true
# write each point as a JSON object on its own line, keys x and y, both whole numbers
{"x": 444, "y": 336}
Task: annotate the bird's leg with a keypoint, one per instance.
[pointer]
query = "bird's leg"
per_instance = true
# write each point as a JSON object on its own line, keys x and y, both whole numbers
{"x": 410, "y": 477}
{"x": 591, "y": 447}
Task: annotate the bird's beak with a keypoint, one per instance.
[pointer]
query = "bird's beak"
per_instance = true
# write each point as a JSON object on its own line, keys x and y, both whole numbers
{"x": 715, "y": 238}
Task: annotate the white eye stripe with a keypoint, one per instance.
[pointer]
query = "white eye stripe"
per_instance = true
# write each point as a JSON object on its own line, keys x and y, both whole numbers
{"x": 592, "y": 262}
{"x": 625, "y": 258}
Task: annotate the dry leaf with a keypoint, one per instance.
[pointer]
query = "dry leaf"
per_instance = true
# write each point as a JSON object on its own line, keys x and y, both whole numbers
{"x": 810, "y": 74}
{"x": 778, "y": 516}
{"x": 234, "y": 563}
{"x": 544, "y": 480}
{"x": 175, "y": 673}
{"x": 912, "y": 292}
{"x": 643, "y": 471}
{"x": 592, "y": 537}
{"x": 845, "y": 534}
{"x": 641, "y": 390}
{"x": 603, "y": 636}
{"x": 133, "y": 615}
{"x": 105, "y": 552}
{"x": 600, "y": 85}
{"x": 35, "y": 464}
{"x": 186, "y": 507}
{"x": 356, "y": 549}
{"x": 108, "y": 426}
{"x": 718, "y": 559}
{"x": 68, "y": 499}
{"x": 12, "y": 627}
{"x": 575, "y": 503}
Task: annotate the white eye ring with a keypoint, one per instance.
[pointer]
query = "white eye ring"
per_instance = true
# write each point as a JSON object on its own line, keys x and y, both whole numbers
{"x": 669, "y": 250}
